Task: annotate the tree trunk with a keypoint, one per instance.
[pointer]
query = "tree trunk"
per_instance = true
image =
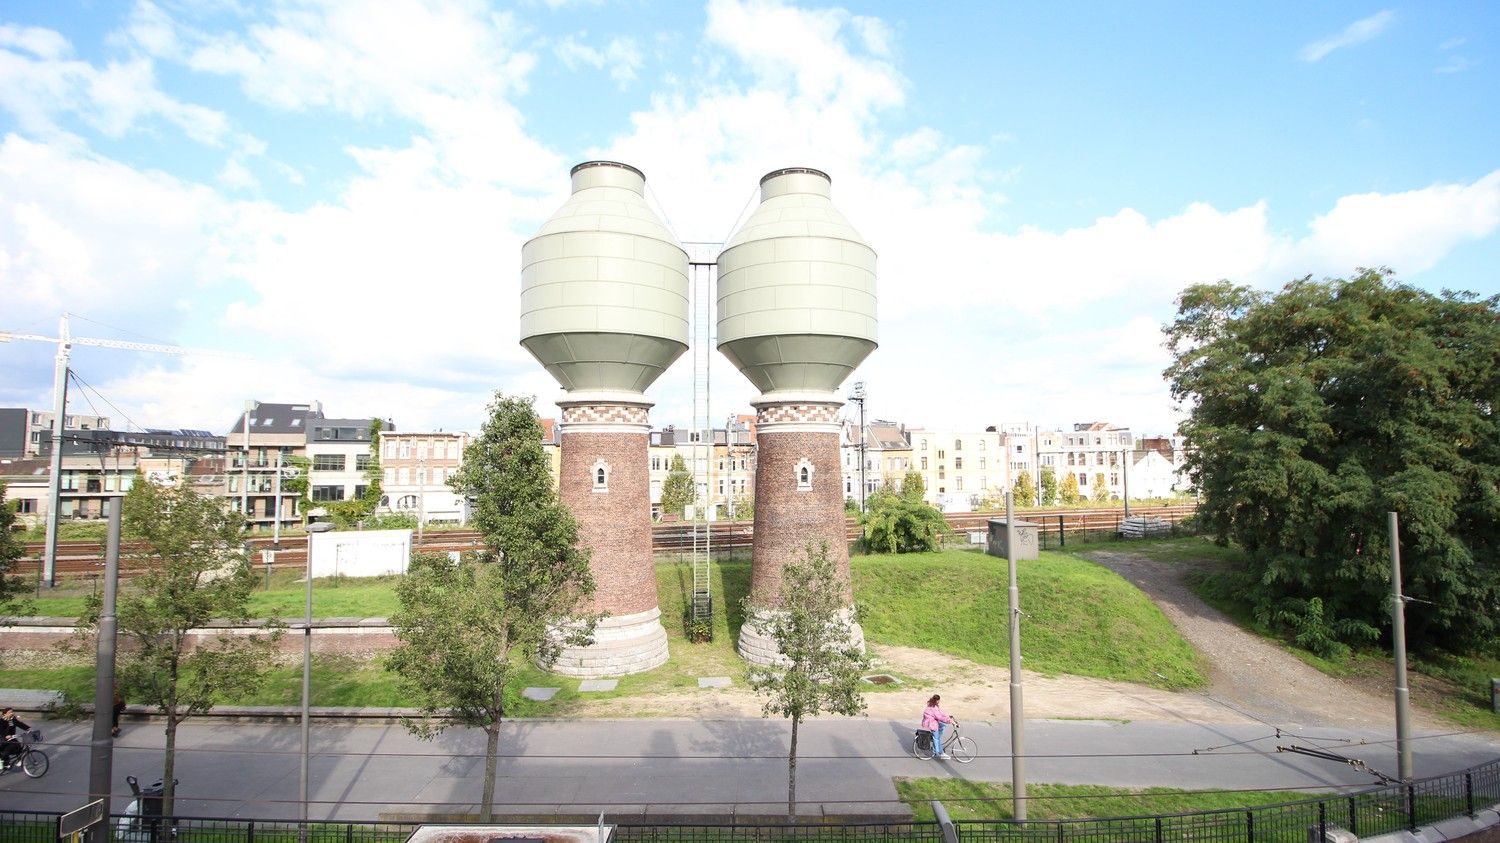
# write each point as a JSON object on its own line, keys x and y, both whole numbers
{"x": 491, "y": 750}
{"x": 791, "y": 774}
{"x": 169, "y": 789}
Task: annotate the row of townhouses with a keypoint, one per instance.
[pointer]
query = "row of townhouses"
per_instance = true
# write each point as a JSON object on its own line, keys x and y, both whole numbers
{"x": 269, "y": 444}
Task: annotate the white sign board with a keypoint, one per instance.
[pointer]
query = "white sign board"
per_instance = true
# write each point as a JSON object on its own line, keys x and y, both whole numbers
{"x": 360, "y": 553}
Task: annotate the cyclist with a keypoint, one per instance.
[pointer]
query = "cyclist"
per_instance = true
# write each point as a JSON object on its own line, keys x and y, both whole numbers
{"x": 10, "y": 742}
{"x": 935, "y": 720}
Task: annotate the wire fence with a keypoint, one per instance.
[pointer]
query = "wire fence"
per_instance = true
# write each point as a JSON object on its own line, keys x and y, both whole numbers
{"x": 1380, "y": 810}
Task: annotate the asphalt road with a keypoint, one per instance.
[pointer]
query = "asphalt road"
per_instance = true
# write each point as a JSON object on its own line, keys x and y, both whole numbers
{"x": 625, "y": 767}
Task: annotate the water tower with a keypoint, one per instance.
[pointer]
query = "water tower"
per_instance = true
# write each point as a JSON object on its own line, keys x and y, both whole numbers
{"x": 604, "y": 308}
{"x": 796, "y": 316}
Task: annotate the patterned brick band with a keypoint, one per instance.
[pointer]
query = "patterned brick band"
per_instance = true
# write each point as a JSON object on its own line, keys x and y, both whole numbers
{"x": 604, "y": 414}
{"x": 798, "y": 413}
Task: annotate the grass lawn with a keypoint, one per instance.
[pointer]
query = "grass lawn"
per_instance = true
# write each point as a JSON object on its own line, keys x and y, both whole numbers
{"x": 1080, "y": 618}
{"x": 975, "y": 800}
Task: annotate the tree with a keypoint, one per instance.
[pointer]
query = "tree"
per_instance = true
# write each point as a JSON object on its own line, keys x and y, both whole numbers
{"x": 1315, "y": 410}
{"x": 1024, "y": 491}
{"x": 1049, "y": 486}
{"x": 191, "y": 571}
{"x": 1100, "y": 492}
{"x": 677, "y": 493}
{"x": 744, "y": 506}
{"x": 821, "y": 664}
{"x": 462, "y": 628}
{"x": 11, "y": 549}
{"x": 1070, "y": 494}
{"x": 901, "y": 522}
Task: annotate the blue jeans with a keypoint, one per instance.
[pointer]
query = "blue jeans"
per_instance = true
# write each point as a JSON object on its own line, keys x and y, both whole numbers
{"x": 937, "y": 738}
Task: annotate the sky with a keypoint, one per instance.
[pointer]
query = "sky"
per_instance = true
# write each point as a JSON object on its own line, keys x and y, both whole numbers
{"x": 333, "y": 196}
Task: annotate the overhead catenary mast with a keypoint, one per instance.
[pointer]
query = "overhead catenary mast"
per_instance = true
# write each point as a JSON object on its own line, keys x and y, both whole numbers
{"x": 65, "y": 342}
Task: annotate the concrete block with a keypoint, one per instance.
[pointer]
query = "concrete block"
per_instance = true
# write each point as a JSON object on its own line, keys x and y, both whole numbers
{"x": 714, "y": 682}
{"x": 539, "y": 694}
{"x": 589, "y": 685}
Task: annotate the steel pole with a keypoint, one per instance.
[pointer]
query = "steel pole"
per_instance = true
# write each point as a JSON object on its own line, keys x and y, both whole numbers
{"x": 1017, "y": 703}
{"x": 245, "y": 469}
{"x": 276, "y": 504}
{"x": 54, "y": 483}
{"x": 306, "y": 690}
{"x": 1398, "y": 636}
{"x": 103, "y": 744}
{"x": 1125, "y": 476}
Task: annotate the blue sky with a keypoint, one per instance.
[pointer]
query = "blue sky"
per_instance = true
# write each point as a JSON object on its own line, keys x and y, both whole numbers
{"x": 338, "y": 192}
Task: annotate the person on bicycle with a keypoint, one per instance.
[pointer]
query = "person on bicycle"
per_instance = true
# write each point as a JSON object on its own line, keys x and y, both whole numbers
{"x": 935, "y": 720}
{"x": 10, "y": 742}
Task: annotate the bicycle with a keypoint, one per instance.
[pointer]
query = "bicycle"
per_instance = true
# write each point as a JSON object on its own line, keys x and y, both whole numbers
{"x": 32, "y": 761}
{"x": 961, "y": 748}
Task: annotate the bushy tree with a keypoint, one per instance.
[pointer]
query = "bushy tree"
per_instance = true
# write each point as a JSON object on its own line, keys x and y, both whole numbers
{"x": 191, "y": 570}
{"x": 464, "y": 628}
{"x": 820, "y": 666}
{"x": 1023, "y": 493}
{"x": 1315, "y": 410}
{"x": 1049, "y": 486}
{"x": 1070, "y": 495}
{"x": 11, "y": 549}
{"x": 901, "y": 522}
{"x": 677, "y": 493}
{"x": 1100, "y": 492}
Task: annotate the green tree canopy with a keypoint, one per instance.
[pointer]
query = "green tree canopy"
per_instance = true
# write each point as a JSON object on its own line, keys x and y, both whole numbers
{"x": 1100, "y": 491}
{"x": 1049, "y": 486}
{"x": 1314, "y": 411}
{"x": 821, "y": 663}
{"x": 11, "y": 549}
{"x": 677, "y": 492}
{"x": 1023, "y": 493}
{"x": 1070, "y": 495}
{"x": 464, "y": 628}
{"x": 191, "y": 571}
{"x": 901, "y": 522}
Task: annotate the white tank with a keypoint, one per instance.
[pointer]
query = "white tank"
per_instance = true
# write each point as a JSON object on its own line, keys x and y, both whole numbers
{"x": 796, "y": 289}
{"x": 604, "y": 286}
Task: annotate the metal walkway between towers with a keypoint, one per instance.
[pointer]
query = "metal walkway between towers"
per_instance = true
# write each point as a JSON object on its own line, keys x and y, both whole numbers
{"x": 703, "y": 267}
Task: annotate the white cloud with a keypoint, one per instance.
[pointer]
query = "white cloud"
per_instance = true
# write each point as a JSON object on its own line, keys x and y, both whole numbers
{"x": 621, "y": 55}
{"x": 1362, "y": 30}
{"x": 114, "y": 99}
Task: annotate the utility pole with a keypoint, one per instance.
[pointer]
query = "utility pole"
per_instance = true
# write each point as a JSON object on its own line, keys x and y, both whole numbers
{"x": 65, "y": 342}
{"x": 1398, "y": 635}
{"x": 103, "y": 744}
{"x": 1017, "y": 704}
{"x": 1125, "y": 475}
{"x": 857, "y": 393}
{"x": 245, "y": 467}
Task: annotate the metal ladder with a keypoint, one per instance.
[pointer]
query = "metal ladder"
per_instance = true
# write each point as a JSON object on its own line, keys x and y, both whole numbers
{"x": 703, "y": 269}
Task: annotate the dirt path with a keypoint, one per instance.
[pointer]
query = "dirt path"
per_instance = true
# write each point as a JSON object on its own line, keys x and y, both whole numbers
{"x": 1248, "y": 672}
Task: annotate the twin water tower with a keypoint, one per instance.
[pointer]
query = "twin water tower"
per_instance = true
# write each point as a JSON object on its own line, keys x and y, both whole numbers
{"x": 604, "y": 307}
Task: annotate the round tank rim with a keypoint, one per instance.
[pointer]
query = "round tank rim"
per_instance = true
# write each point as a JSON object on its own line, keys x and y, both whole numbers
{"x": 601, "y": 163}
{"x": 784, "y": 171}
{"x": 797, "y": 396}
{"x": 603, "y": 396}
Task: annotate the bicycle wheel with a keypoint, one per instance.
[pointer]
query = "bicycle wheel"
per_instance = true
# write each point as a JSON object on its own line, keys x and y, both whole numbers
{"x": 921, "y": 750}
{"x": 34, "y": 763}
{"x": 963, "y": 749}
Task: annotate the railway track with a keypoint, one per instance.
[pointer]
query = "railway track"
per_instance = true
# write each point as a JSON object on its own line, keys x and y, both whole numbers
{"x": 84, "y": 557}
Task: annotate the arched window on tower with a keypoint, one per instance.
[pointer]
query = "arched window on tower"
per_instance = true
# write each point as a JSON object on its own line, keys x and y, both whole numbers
{"x": 804, "y": 475}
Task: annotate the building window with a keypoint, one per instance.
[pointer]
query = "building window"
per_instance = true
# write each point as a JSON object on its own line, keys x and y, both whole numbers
{"x": 405, "y": 475}
{"x": 804, "y": 475}
{"x": 981, "y": 444}
{"x": 942, "y": 473}
{"x": 362, "y": 462}
{"x": 958, "y": 484}
{"x": 981, "y": 462}
{"x": 984, "y": 482}
{"x": 924, "y": 444}
{"x": 1020, "y": 448}
{"x": 1083, "y": 479}
{"x": 924, "y": 463}
{"x": 328, "y": 493}
{"x": 328, "y": 462}
{"x": 958, "y": 463}
{"x": 405, "y": 450}
{"x": 942, "y": 454}
{"x": 601, "y": 476}
{"x": 26, "y": 506}
{"x": 359, "y": 492}
{"x": 958, "y": 444}
{"x": 390, "y": 476}
{"x": 407, "y": 502}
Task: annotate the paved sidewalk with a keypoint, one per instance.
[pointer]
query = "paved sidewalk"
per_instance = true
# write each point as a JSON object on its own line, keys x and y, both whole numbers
{"x": 704, "y": 767}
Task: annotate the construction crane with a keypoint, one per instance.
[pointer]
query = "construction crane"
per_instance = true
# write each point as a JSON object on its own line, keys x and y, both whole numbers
{"x": 65, "y": 342}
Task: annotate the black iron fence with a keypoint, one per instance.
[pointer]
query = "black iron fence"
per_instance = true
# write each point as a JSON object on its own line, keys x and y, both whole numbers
{"x": 1379, "y": 810}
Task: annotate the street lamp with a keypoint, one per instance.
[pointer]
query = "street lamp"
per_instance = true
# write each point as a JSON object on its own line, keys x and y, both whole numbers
{"x": 319, "y": 527}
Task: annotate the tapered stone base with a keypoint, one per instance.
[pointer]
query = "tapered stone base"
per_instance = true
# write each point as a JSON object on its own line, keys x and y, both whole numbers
{"x": 622, "y": 645}
{"x": 761, "y": 649}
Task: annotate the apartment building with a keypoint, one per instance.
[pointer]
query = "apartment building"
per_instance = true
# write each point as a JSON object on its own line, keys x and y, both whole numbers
{"x": 1094, "y": 449}
{"x": 341, "y": 457}
{"x": 721, "y": 460}
{"x": 259, "y": 446}
{"x": 22, "y": 430}
{"x": 887, "y": 456}
{"x": 417, "y": 467}
{"x": 960, "y": 467}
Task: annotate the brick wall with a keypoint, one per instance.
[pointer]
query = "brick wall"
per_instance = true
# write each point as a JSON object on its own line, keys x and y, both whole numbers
{"x": 787, "y": 519}
{"x": 615, "y": 525}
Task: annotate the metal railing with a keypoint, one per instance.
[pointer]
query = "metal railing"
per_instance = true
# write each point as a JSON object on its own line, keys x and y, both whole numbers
{"x": 1380, "y": 810}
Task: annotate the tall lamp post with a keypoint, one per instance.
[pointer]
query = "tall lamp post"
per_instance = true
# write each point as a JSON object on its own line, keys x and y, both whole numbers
{"x": 320, "y": 527}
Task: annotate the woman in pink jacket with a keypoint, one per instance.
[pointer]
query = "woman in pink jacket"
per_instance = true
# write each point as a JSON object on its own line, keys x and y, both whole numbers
{"x": 936, "y": 720}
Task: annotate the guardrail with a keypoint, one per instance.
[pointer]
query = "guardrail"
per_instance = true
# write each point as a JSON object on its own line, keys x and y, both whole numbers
{"x": 1379, "y": 810}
